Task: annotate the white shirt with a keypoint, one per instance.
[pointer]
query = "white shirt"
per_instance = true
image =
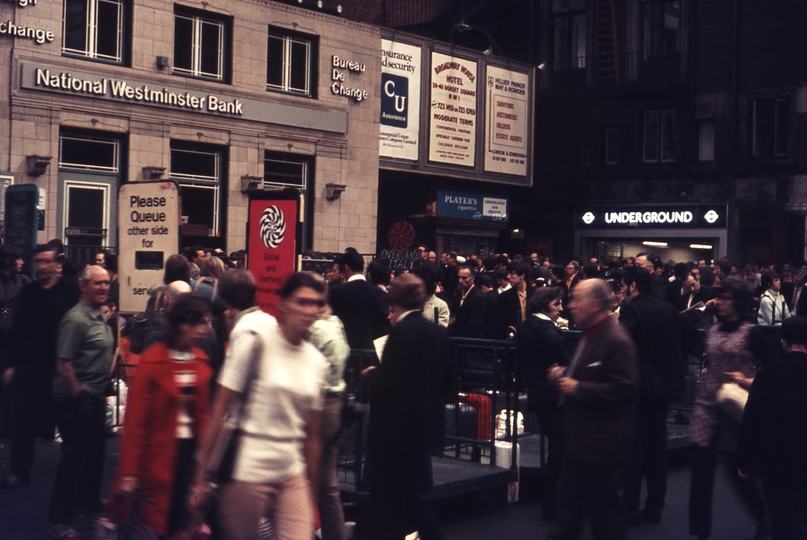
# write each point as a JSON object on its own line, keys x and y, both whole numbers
{"x": 286, "y": 388}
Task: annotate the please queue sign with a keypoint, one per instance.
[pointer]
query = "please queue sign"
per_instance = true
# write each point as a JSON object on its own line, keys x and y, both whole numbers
{"x": 148, "y": 225}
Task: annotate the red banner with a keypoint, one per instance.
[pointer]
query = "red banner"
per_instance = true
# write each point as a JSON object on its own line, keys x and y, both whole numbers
{"x": 272, "y": 247}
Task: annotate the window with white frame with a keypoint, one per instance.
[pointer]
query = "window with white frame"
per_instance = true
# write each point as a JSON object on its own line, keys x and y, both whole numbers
{"x": 89, "y": 153}
{"x": 286, "y": 170}
{"x": 612, "y": 146}
{"x": 570, "y": 34}
{"x": 660, "y": 142}
{"x": 198, "y": 170}
{"x": 291, "y": 62}
{"x": 770, "y": 129}
{"x": 706, "y": 141}
{"x": 94, "y": 29}
{"x": 200, "y": 45}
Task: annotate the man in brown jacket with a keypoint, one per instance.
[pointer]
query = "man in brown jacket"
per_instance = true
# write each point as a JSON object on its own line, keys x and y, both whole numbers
{"x": 599, "y": 388}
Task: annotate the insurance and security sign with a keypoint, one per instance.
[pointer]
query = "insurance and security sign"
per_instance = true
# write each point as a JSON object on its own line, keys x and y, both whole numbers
{"x": 476, "y": 206}
{"x": 653, "y": 217}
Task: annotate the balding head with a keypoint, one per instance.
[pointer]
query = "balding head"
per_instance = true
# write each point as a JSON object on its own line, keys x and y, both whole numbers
{"x": 590, "y": 302}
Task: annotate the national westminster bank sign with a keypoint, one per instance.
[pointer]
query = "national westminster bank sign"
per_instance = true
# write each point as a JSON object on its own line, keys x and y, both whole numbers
{"x": 73, "y": 83}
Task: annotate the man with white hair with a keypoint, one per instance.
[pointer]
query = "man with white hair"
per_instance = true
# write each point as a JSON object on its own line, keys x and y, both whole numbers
{"x": 83, "y": 362}
{"x": 599, "y": 388}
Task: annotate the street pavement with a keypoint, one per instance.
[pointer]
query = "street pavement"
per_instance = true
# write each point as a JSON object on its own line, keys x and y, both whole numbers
{"x": 23, "y": 511}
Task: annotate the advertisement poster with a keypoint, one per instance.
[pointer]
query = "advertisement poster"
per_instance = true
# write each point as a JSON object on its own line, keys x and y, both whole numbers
{"x": 452, "y": 115}
{"x": 400, "y": 100}
{"x": 469, "y": 205}
{"x": 148, "y": 225}
{"x": 272, "y": 246}
{"x": 506, "y": 125}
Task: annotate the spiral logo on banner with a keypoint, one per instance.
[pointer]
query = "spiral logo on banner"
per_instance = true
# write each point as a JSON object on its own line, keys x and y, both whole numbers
{"x": 273, "y": 227}
{"x": 401, "y": 236}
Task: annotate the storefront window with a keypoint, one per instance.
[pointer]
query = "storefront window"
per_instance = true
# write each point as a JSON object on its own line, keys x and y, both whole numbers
{"x": 200, "y": 45}
{"x": 94, "y": 29}
{"x": 198, "y": 170}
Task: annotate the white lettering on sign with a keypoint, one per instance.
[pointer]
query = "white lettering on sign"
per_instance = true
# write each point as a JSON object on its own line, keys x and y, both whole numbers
{"x": 648, "y": 217}
{"x": 120, "y": 89}
{"x": 339, "y": 89}
{"x": 38, "y": 35}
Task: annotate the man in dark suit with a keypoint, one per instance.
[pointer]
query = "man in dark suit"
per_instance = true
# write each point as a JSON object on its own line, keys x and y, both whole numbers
{"x": 488, "y": 289}
{"x": 773, "y": 433}
{"x": 599, "y": 386}
{"x": 469, "y": 307}
{"x": 361, "y": 306}
{"x": 694, "y": 292}
{"x": 656, "y": 329}
{"x": 406, "y": 400}
{"x": 511, "y": 307}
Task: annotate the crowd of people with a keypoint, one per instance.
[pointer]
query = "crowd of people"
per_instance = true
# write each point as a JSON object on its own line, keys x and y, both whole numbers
{"x": 215, "y": 372}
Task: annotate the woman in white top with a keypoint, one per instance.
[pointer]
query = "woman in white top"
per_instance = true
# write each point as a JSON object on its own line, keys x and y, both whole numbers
{"x": 772, "y": 305}
{"x": 282, "y": 375}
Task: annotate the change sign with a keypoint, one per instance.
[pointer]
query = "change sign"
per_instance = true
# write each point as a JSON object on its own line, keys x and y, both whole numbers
{"x": 148, "y": 225}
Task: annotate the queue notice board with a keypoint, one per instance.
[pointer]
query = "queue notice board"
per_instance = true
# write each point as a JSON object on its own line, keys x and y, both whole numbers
{"x": 148, "y": 226}
{"x": 21, "y": 219}
{"x": 273, "y": 235}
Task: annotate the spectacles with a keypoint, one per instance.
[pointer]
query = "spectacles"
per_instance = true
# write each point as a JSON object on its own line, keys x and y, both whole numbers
{"x": 306, "y": 303}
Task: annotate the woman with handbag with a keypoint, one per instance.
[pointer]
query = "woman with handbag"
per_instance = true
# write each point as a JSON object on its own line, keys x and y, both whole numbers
{"x": 166, "y": 414}
{"x": 735, "y": 349}
{"x": 275, "y": 378}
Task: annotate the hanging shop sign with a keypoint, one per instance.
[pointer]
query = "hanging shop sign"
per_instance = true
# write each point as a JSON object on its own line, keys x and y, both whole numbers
{"x": 148, "y": 226}
{"x": 506, "y": 121}
{"x": 452, "y": 115}
{"x": 400, "y": 100}
{"x": 74, "y": 83}
{"x": 273, "y": 234}
{"x": 476, "y": 206}
{"x": 653, "y": 217}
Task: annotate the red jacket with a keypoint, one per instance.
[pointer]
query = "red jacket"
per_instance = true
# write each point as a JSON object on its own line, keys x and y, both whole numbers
{"x": 148, "y": 445}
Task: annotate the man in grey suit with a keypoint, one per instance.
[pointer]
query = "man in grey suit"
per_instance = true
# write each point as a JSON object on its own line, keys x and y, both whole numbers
{"x": 599, "y": 387}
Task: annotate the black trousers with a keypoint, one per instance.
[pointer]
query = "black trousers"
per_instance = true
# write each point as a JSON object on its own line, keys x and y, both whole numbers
{"x": 649, "y": 455}
{"x": 80, "y": 471}
{"x": 33, "y": 417}
{"x": 400, "y": 477}
{"x": 787, "y": 504}
{"x": 550, "y": 417}
{"x": 701, "y": 489}
{"x": 592, "y": 491}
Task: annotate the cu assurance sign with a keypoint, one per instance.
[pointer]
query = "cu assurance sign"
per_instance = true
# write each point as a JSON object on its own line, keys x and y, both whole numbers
{"x": 653, "y": 217}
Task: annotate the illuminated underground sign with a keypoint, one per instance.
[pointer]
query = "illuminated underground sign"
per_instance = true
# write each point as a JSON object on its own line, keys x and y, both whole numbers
{"x": 653, "y": 217}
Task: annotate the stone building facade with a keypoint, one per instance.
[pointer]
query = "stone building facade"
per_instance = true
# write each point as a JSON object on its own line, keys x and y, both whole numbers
{"x": 220, "y": 96}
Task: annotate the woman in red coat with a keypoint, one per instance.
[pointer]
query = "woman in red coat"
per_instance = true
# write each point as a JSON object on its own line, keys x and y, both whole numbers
{"x": 166, "y": 414}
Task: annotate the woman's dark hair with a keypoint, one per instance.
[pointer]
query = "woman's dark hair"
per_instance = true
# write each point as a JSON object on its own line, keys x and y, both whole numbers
{"x": 767, "y": 280}
{"x": 707, "y": 277}
{"x": 8, "y": 255}
{"x": 188, "y": 308}
{"x": 739, "y": 291}
{"x": 177, "y": 268}
{"x": 237, "y": 289}
{"x": 298, "y": 280}
{"x": 377, "y": 273}
{"x": 542, "y": 298}
{"x": 428, "y": 273}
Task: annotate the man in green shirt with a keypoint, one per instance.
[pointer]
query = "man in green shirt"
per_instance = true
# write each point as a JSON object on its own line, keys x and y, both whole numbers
{"x": 83, "y": 362}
